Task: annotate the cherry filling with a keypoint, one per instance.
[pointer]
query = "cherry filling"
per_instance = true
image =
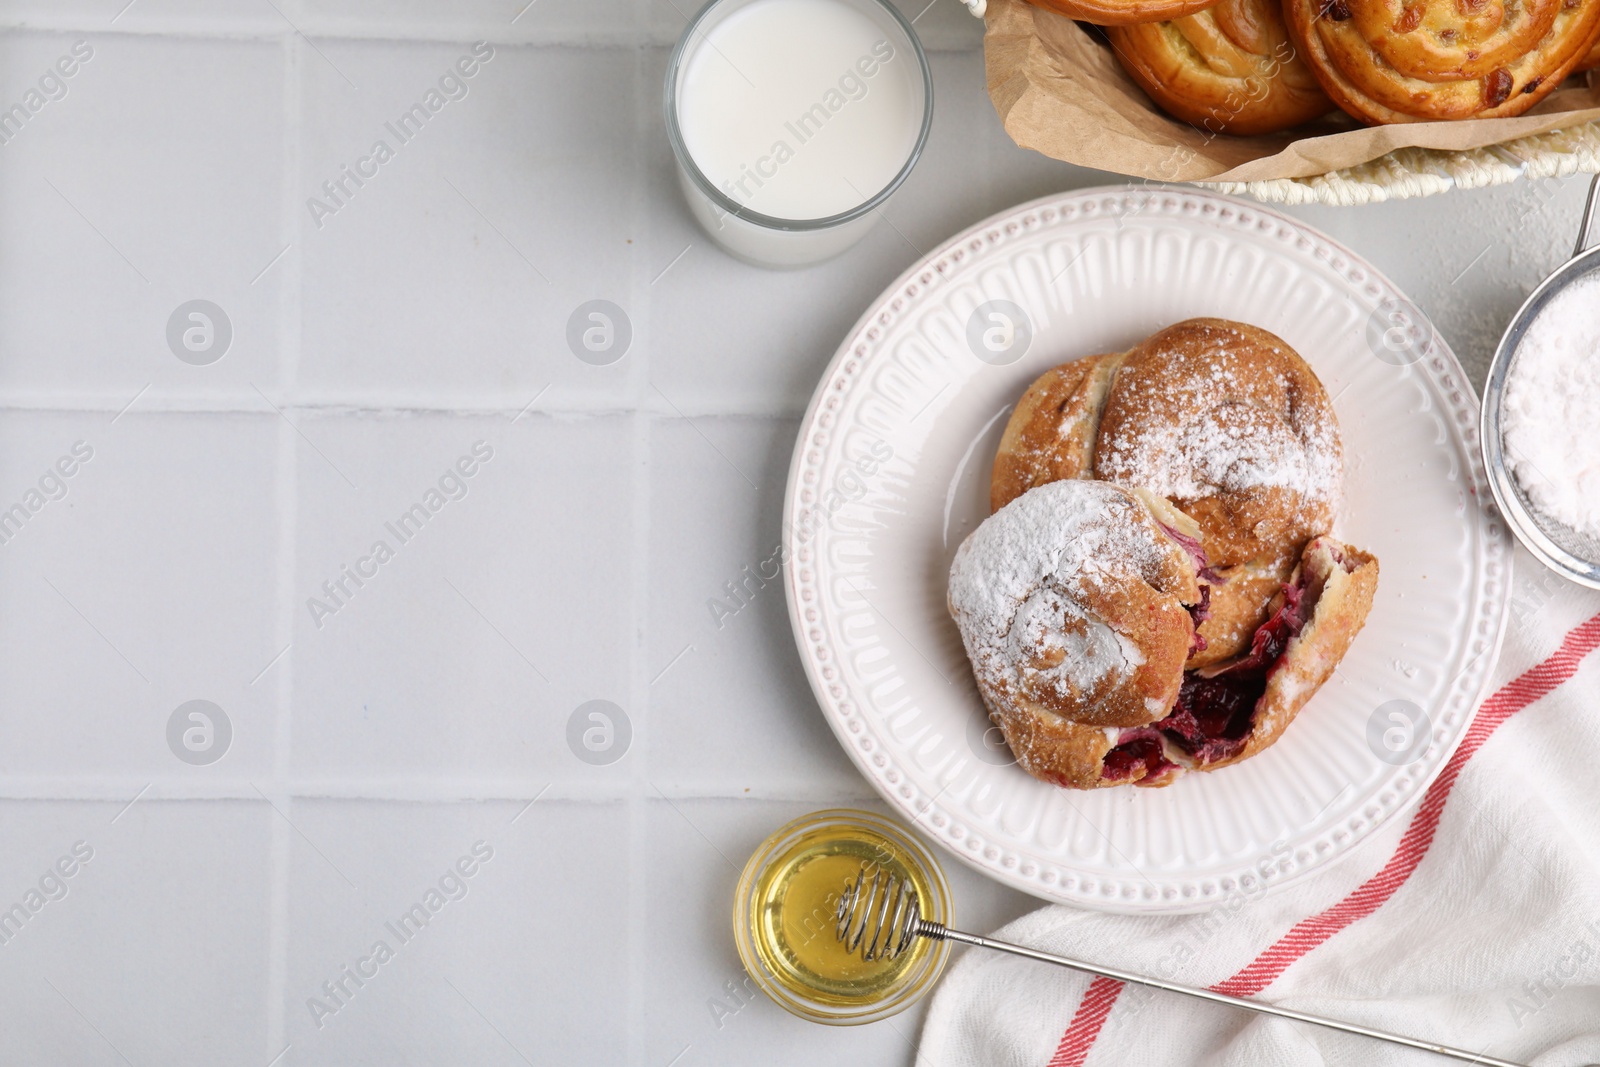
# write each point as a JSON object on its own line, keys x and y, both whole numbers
{"x": 1213, "y": 715}
{"x": 1202, "y": 611}
{"x": 1136, "y": 748}
{"x": 1193, "y": 546}
{"x": 1198, "y": 614}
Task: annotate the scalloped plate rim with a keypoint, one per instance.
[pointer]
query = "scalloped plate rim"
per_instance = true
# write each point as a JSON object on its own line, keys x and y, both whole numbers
{"x": 828, "y": 706}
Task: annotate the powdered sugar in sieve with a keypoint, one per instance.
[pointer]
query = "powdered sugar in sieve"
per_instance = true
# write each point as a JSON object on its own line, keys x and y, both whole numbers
{"x": 1541, "y": 414}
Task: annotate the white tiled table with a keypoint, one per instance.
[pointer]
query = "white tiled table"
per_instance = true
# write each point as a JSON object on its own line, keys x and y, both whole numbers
{"x": 428, "y": 314}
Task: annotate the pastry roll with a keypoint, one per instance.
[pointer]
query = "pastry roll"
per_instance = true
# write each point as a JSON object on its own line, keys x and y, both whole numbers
{"x": 1123, "y": 12}
{"x": 1416, "y": 60}
{"x": 1227, "y": 69}
{"x": 1051, "y": 432}
{"x": 1226, "y": 421}
{"x": 1221, "y": 418}
{"x": 1073, "y": 602}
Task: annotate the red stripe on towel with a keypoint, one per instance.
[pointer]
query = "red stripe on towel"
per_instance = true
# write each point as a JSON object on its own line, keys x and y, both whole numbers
{"x": 1086, "y": 1023}
{"x": 1517, "y": 694}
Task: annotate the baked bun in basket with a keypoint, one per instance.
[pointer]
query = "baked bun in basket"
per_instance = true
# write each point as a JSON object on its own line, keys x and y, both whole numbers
{"x": 1416, "y": 60}
{"x": 1227, "y": 69}
{"x": 1592, "y": 59}
{"x": 1123, "y": 12}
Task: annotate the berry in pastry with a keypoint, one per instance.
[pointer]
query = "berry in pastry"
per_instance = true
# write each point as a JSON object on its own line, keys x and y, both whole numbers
{"x": 1229, "y": 712}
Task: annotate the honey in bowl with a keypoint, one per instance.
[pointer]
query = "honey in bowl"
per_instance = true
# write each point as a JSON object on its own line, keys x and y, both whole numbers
{"x": 785, "y": 917}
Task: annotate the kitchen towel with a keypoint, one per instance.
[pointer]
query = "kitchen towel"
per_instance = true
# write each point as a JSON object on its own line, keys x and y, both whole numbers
{"x": 1473, "y": 920}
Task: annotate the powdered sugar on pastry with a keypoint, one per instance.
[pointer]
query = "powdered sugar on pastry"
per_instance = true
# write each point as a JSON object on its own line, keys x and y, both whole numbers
{"x": 1050, "y": 435}
{"x": 1060, "y": 594}
{"x": 1230, "y": 437}
{"x": 1230, "y": 424}
{"x": 1057, "y": 646}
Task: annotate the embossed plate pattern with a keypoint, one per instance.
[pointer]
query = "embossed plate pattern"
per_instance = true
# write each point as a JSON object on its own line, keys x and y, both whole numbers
{"x": 891, "y": 471}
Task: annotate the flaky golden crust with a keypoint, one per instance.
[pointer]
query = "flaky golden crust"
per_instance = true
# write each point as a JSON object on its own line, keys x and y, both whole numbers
{"x": 1123, "y": 12}
{"x": 1072, "y": 604}
{"x": 1230, "y": 424}
{"x": 1051, "y": 433}
{"x": 1054, "y": 749}
{"x": 1227, "y": 69}
{"x": 1342, "y": 582}
{"x": 1590, "y": 60}
{"x": 1419, "y": 60}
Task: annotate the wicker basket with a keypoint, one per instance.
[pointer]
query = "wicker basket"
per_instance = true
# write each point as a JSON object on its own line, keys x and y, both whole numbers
{"x": 1409, "y": 172}
{"x": 1424, "y": 171}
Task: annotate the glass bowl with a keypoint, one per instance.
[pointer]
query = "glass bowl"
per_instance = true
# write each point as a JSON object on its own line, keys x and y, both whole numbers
{"x": 784, "y": 917}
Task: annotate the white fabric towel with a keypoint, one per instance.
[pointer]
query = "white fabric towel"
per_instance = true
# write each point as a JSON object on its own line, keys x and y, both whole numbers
{"x": 1473, "y": 921}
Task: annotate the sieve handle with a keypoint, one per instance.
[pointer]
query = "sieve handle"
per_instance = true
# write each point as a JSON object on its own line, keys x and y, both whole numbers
{"x": 1585, "y": 228}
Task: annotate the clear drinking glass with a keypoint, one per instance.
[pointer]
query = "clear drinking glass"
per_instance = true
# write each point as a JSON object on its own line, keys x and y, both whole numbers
{"x": 766, "y": 240}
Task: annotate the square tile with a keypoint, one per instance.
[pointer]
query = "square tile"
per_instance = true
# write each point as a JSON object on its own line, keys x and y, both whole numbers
{"x": 148, "y": 583}
{"x": 449, "y": 276}
{"x": 465, "y": 651}
{"x": 730, "y": 706}
{"x": 511, "y": 963}
{"x": 192, "y": 921}
{"x": 548, "y": 21}
{"x": 156, "y": 180}
{"x": 148, "y": 16}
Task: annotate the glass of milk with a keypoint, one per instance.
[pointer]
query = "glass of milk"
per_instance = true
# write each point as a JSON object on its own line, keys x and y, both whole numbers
{"x": 794, "y": 120}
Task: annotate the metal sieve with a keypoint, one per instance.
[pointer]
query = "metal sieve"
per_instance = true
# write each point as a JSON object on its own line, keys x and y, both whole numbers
{"x": 1569, "y": 553}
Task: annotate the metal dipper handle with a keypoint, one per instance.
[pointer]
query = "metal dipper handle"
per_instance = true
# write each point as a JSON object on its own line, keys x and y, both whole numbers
{"x": 878, "y": 917}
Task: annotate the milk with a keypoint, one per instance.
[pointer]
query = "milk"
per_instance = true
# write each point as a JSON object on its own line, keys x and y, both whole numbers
{"x": 798, "y": 109}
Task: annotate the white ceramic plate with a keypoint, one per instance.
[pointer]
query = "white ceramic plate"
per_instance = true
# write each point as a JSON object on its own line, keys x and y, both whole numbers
{"x": 891, "y": 472}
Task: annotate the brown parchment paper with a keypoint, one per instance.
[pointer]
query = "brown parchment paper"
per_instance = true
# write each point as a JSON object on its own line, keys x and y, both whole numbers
{"x": 1061, "y": 92}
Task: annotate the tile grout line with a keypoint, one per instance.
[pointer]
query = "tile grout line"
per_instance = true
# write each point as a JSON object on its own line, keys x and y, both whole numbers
{"x": 264, "y": 33}
{"x": 639, "y": 805}
{"x": 288, "y": 346}
{"x": 313, "y": 406}
{"x": 421, "y": 790}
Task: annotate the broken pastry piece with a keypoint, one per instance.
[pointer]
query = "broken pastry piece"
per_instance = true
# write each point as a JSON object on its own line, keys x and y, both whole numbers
{"x": 1230, "y": 712}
